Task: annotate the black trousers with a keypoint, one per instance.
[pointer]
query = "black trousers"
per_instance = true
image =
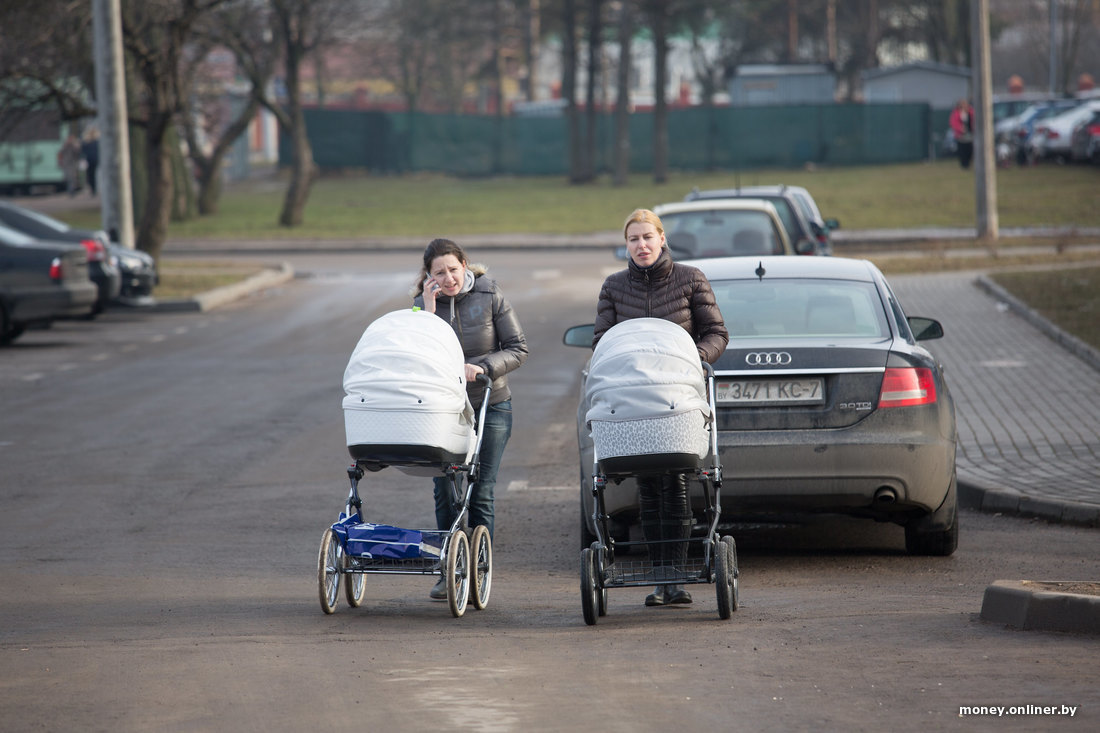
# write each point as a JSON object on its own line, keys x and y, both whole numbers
{"x": 665, "y": 514}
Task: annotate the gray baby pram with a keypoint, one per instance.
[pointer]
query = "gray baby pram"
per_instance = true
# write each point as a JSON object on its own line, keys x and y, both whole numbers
{"x": 651, "y": 411}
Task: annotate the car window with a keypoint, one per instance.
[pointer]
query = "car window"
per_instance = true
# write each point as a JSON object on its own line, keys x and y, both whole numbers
{"x": 807, "y": 210}
{"x": 15, "y": 237}
{"x": 720, "y": 233}
{"x": 785, "y": 308}
{"x": 788, "y": 216}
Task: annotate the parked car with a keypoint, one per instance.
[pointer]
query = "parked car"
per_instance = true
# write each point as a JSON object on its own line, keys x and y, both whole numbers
{"x": 805, "y": 235}
{"x": 1085, "y": 144}
{"x": 40, "y": 282}
{"x": 102, "y": 269}
{"x": 1051, "y": 139}
{"x": 139, "y": 271}
{"x": 827, "y": 402}
{"x": 1016, "y": 131}
{"x": 722, "y": 228}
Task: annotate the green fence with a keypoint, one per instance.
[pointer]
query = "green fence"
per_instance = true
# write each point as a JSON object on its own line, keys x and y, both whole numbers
{"x": 699, "y": 139}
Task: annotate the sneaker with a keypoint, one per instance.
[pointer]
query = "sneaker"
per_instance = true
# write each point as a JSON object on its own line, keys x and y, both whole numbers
{"x": 439, "y": 590}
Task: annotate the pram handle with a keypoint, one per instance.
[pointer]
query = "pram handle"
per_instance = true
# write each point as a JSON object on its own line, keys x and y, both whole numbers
{"x": 474, "y": 463}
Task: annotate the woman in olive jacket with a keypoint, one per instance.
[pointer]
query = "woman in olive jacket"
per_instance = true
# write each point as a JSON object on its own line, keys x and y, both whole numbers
{"x": 493, "y": 344}
{"x": 653, "y": 286}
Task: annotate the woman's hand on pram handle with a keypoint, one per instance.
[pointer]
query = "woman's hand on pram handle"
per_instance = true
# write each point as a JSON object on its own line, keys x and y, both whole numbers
{"x": 473, "y": 371}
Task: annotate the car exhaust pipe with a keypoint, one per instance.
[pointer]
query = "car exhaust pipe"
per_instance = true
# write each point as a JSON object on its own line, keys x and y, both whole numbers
{"x": 885, "y": 495}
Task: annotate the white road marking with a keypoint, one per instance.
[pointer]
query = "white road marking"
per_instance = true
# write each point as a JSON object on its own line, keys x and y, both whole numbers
{"x": 525, "y": 486}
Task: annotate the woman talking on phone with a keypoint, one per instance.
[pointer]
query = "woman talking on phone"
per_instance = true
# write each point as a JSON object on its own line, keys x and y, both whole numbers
{"x": 493, "y": 344}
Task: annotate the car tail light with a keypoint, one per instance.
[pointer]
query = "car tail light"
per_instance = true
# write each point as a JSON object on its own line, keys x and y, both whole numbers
{"x": 1094, "y": 130}
{"x": 55, "y": 269}
{"x": 907, "y": 387}
{"x": 96, "y": 251}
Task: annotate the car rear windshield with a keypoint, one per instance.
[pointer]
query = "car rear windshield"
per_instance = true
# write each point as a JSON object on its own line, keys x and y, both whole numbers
{"x": 721, "y": 233}
{"x": 801, "y": 308}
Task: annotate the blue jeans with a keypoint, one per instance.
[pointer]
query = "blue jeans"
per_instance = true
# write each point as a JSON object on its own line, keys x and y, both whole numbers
{"x": 497, "y": 430}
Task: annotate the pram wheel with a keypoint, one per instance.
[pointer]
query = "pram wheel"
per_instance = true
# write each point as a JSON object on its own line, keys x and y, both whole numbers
{"x": 481, "y": 547}
{"x": 589, "y": 593}
{"x": 732, "y": 545}
{"x": 725, "y": 581}
{"x": 328, "y": 571}
{"x": 599, "y": 558}
{"x": 458, "y": 572}
{"x": 355, "y": 585}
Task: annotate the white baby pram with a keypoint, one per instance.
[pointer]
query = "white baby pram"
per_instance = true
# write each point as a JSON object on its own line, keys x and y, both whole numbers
{"x": 651, "y": 411}
{"x": 406, "y": 407}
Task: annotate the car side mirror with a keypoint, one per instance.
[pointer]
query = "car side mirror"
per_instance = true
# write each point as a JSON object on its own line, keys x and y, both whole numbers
{"x": 831, "y": 224}
{"x": 579, "y": 336}
{"x": 925, "y": 329}
{"x": 805, "y": 247}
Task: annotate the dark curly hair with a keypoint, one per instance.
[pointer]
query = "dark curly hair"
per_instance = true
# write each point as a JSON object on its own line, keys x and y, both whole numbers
{"x": 436, "y": 248}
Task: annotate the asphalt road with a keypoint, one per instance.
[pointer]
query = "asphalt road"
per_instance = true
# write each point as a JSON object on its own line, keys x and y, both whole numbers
{"x": 165, "y": 479}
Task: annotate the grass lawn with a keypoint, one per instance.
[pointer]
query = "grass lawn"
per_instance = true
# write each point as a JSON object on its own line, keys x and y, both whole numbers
{"x": 1069, "y": 298}
{"x": 893, "y": 196}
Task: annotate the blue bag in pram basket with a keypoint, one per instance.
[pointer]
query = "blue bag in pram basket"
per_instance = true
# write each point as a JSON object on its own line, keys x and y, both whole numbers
{"x": 384, "y": 541}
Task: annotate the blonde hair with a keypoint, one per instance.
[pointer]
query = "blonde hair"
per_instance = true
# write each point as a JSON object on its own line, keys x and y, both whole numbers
{"x": 643, "y": 216}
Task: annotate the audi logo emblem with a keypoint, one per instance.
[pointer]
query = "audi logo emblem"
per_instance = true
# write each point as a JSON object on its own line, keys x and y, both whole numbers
{"x": 768, "y": 358}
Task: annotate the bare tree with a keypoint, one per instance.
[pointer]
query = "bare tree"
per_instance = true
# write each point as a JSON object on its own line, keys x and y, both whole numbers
{"x": 240, "y": 27}
{"x": 155, "y": 34}
{"x": 45, "y": 59}
{"x": 569, "y": 89}
{"x": 621, "y": 155}
{"x": 658, "y": 13}
{"x": 587, "y": 170}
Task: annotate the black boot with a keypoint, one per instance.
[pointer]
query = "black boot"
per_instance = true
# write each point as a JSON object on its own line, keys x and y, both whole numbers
{"x": 657, "y": 597}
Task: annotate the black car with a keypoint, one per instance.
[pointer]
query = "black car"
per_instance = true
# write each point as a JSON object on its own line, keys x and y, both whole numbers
{"x": 40, "y": 282}
{"x": 102, "y": 267}
{"x": 139, "y": 271}
{"x": 807, "y": 236}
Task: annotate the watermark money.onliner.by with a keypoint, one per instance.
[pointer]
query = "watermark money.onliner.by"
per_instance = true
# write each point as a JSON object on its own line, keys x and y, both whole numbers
{"x": 1002, "y": 710}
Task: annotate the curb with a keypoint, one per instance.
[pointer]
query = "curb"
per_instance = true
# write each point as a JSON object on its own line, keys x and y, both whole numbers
{"x": 1041, "y": 605}
{"x": 992, "y": 500}
{"x": 269, "y": 277}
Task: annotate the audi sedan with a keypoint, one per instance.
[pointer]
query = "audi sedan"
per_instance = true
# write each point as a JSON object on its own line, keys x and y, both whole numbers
{"x": 827, "y": 402}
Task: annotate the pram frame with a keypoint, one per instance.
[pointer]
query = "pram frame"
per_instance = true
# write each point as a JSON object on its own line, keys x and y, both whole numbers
{"x": 601, "y": 570}
{"x": 465, "y": 560}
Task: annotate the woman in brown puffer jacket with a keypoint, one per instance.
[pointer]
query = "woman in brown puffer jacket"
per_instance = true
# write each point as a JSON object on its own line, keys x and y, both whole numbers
{"x": 653, "y": 286}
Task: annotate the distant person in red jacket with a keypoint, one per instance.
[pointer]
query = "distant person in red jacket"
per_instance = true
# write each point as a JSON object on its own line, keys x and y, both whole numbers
{"x": 962, "y": 124}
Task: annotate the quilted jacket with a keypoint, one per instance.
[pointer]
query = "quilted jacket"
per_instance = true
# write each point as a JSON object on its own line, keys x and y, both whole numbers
{"x": 669, "y": 290}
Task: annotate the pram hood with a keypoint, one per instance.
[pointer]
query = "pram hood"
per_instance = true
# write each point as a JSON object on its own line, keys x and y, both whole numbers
{"x": 408, "y": 361}
{"x": 645, "y": 368}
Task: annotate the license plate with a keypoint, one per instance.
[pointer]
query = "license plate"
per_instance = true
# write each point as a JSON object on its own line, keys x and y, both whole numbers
{"x": 770, "y": 391}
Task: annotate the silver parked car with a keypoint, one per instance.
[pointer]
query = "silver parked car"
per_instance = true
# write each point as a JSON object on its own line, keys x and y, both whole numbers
{"x": 827, "y": 402}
